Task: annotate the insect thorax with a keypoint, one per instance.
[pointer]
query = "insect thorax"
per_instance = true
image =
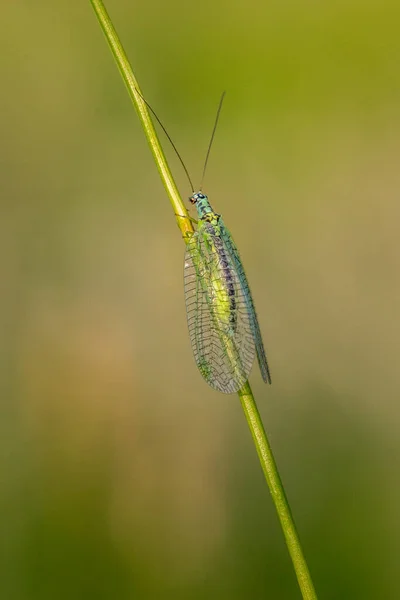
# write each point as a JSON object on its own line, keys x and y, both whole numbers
{"x": 211, "y": 217}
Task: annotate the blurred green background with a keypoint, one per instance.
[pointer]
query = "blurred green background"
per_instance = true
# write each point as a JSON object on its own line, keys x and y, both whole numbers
{"x": 123, "y": 475}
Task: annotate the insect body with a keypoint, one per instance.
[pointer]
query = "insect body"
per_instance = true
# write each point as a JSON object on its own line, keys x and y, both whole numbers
{"x": 223, "y": 325}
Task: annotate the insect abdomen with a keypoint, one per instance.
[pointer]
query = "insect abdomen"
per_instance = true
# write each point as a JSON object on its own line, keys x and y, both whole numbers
{"x": 227, "y": 281}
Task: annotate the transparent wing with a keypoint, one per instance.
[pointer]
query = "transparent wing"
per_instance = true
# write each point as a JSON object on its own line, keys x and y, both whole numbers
{"x": 219, "y": 326}
{"x": 255, "y": 327}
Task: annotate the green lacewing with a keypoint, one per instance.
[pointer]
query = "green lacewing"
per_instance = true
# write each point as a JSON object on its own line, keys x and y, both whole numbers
{"x": 223, "y": 324}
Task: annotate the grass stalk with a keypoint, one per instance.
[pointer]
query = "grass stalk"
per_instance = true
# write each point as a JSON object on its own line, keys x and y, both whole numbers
{"x": 185, "y": 224}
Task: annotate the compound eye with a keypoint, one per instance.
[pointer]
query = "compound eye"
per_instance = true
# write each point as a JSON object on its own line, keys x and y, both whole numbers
{"x": 192, "y": 199}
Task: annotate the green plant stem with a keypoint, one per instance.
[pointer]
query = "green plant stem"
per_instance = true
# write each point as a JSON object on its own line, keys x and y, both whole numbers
{"x": 271, "y": 473}
{"x": 120, "y": 57}
{"x": 245, "y": 394}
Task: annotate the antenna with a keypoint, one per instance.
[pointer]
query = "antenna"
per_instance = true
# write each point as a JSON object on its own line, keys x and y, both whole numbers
{"x": 212, "y": 138}
{"x": 169, "y": 138}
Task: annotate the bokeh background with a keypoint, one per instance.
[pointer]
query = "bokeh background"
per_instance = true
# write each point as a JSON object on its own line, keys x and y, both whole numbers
{"x": 123, "y": 475}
